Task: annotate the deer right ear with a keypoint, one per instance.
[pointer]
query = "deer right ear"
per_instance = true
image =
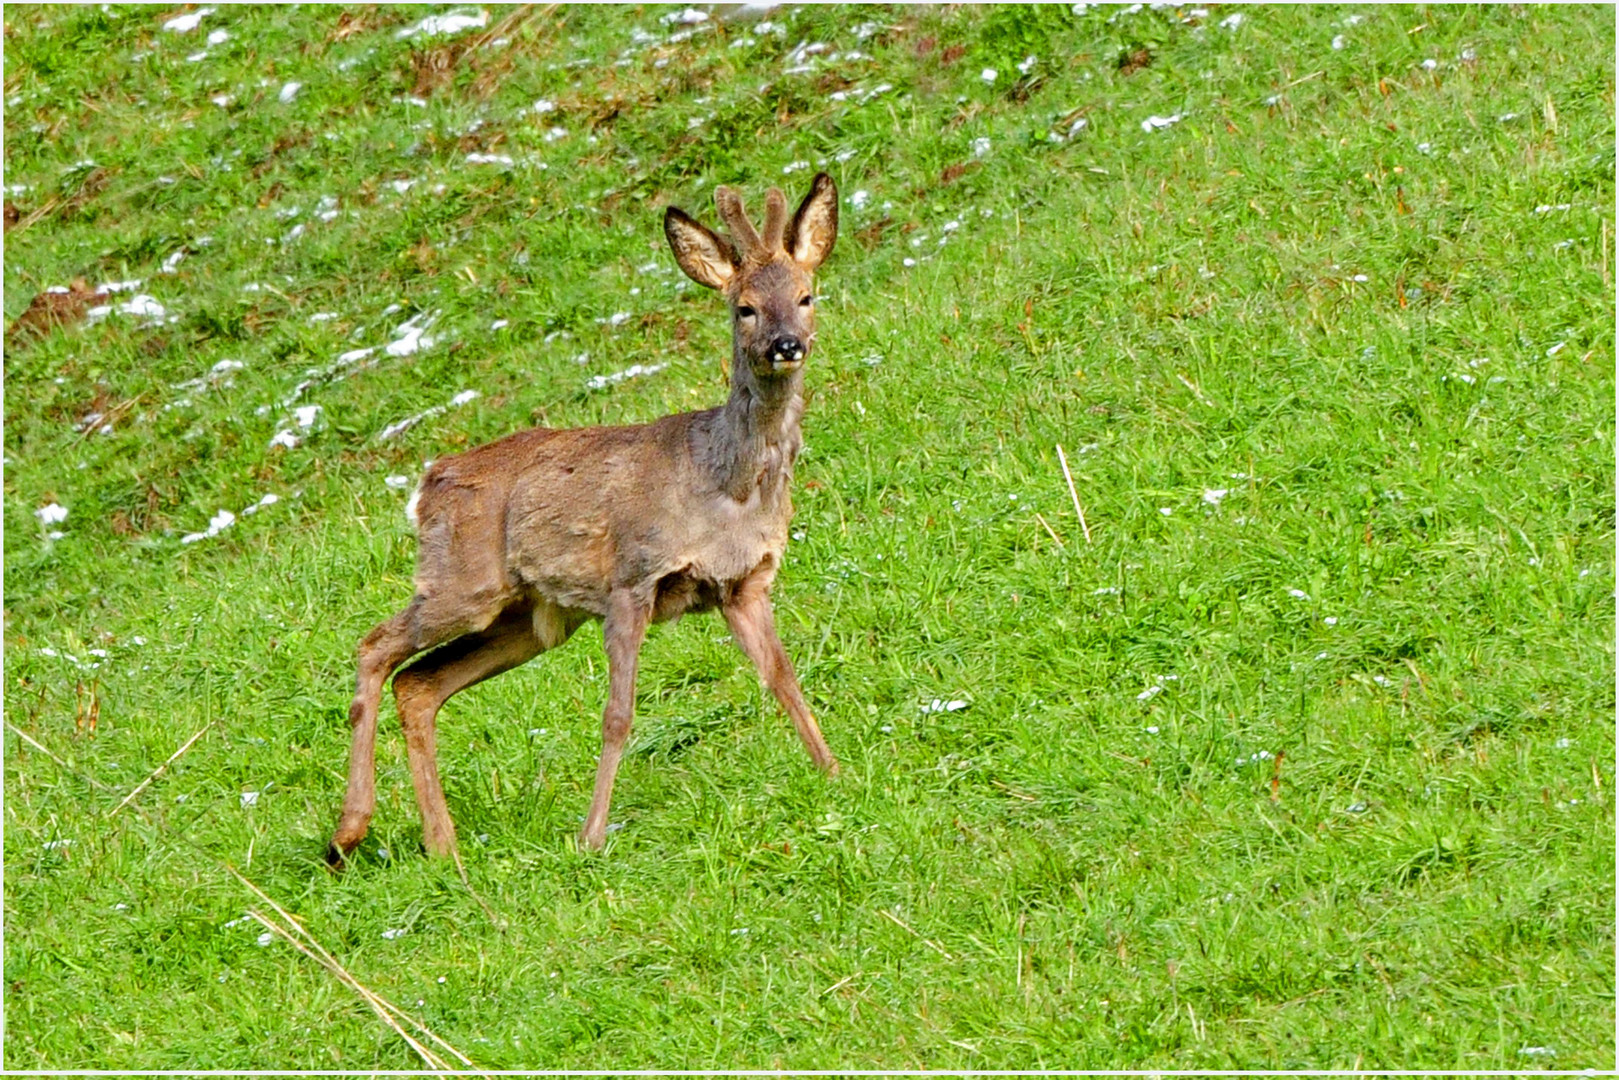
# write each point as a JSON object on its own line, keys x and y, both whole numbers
{"x": 706, "y": 258}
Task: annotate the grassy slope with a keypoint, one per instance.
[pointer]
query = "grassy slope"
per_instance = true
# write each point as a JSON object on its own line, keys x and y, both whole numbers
{"x": 1093, "y": 874}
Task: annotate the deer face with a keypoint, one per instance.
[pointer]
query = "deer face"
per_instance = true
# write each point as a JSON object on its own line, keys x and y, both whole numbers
{"x": 773, "y": 316}
{"x": 766, "y": 278}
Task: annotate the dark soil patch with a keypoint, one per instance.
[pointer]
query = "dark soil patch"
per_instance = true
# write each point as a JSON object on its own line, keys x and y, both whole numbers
{"x": 1133, "y": 60}
{"x": 49, "y": 310}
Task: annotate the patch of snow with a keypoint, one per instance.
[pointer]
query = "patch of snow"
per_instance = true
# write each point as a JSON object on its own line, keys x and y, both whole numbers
{"x": 452, "y": 22}
{"x": 409, "y": 337}
{"x": 270, "y": 499}
{"x": 139, "y": 304}
{"x": 217, "y": 524}
{"x": 634, "y": 371}
{"x": 184, "y": 24}
{"x": 409, "y": 422}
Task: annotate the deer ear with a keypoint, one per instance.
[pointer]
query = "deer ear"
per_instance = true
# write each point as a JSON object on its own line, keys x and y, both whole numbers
{"x": 706, "y": 258}
{"x": 814, "y": 229}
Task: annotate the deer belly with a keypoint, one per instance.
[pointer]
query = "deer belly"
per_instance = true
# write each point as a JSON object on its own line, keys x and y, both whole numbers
{"x": 679, "y": 593}
{"x": 565, "y": 560}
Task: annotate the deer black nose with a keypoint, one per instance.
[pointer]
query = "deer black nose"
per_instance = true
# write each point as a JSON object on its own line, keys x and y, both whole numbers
{"x": 786, "y": 350}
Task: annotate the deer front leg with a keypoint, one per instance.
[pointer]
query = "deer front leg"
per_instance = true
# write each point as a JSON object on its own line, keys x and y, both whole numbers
{"x": 622, "y": 633}
{"x": 753, "y": 624}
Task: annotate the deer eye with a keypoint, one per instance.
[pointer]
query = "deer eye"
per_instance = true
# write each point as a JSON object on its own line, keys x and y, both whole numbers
{"x": 746, "y": 312}
{"x": 806, "y": 301}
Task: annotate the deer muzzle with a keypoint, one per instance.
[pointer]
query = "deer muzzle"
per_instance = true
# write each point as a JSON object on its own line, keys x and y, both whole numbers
{"x": 786, "y": 352}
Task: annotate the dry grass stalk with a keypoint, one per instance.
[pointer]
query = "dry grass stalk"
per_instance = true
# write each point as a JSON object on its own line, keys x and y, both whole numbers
{"x": 1049, "y": 529}
{"x": 897, "y": 921}
{"x": 1075, "y": 494}
{"x": 74, "y": 769}
{"x": 160, "y": 769}
{"x": 433, "y": 1060}
{"x": 383, "y": 1007}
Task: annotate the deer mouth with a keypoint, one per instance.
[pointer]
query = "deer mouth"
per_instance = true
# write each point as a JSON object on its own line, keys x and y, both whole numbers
{"x": 787, "y": 354}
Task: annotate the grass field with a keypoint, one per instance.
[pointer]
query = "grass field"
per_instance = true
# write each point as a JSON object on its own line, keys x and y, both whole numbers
{"x": 1304, "y": 760}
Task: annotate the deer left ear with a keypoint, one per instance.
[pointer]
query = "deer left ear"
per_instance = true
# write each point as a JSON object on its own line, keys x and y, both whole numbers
{"x": 814, "y": 228}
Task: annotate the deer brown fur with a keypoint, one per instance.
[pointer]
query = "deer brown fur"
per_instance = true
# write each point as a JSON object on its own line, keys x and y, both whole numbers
{"x": 524, "y": 540}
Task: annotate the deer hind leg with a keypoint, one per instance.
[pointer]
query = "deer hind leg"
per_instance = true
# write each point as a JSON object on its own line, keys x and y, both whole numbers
{"x": 753, "y": 625}
{"x": 387, "y": 646}
{"x": 426, "y": 622}
{"x": 623, "y": 630}
{"x": 420, "y": 690}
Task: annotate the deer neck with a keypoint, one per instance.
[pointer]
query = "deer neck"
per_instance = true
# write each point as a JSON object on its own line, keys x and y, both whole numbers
{"x": 757, "y": 434}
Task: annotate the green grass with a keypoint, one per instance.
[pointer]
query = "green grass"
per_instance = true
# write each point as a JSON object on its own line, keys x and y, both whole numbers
{"x": 1327, "y": 291}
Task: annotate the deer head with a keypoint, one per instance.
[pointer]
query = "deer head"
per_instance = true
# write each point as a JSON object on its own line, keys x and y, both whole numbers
{"x": 764, "y": 276}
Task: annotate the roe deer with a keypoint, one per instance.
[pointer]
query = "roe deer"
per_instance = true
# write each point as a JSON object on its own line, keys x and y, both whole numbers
{"x": 524, "y": 540}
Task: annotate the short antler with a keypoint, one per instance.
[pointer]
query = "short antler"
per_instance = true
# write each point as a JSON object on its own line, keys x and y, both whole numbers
{"x": 775, "y": 220}
{"x": 749, "y": 243}
{"x": 729, "y": 204}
